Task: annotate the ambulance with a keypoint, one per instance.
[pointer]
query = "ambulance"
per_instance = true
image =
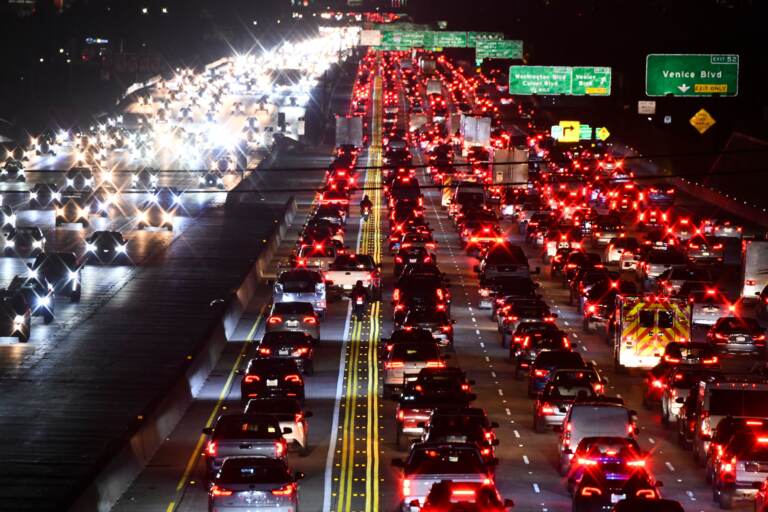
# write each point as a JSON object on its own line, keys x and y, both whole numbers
{"x": 643, "y": 325}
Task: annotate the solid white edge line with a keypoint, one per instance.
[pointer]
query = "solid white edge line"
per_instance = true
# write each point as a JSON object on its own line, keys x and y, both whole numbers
{"x": 336, "y": 407}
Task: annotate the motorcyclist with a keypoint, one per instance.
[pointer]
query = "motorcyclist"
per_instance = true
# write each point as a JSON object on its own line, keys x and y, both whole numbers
{"x": 365, "y": 205}
{"x": 359, "y": 297}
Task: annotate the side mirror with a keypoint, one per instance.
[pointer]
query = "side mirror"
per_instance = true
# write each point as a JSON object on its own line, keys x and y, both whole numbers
{"x": 398, "y": 463}
{"x": 476, "y": 268}
{"x": 208, "y": 431}
{"x": 661, "y": 484}
{"x": 495, "y": 442}
{"x": 308, "y": 414}
{"x": 494, "y": 424}
{"x": 287, "y": 430}
{"x": 298, "y": 475}
{"x": 508, "y": 503}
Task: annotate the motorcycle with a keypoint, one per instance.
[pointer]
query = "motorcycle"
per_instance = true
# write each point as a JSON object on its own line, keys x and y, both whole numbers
{"x": 358, "y": 306}
{"x": 366, "y": 212}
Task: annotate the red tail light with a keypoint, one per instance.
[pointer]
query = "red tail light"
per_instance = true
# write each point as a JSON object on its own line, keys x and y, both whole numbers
{"x": 274, "y": 320}
{"x": 400, "y": 416}
{"x": 547, "y": 409}
{"x": 292, "y": 378}
{"x": 541, "y": 373}
{"x": 280, "y": 448}
{"x": 587, "y": 462}
{"x": 406, "y": 488}
{"x": 211, "y": 449}
{"x": 264, "y": 351}
{"x": 636, "y": 463}
{"x": 309, "y": 320}
{"x": 657, "y": 384}
{"x": 719, "y": 336}
{"x": 250, "y": 379}
{"x": 435, "y": 364}
{"x": 286, "y": 490}
{"x": 591, "y": 491}
{"x": 299, "y": 417}
{"x": 646, "y": 493}
{"x": 220, "y": 491}
{"x": 393, "y": 364}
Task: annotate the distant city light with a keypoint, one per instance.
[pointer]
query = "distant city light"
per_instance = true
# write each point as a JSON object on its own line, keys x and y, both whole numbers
{"x": 144, "y": 10}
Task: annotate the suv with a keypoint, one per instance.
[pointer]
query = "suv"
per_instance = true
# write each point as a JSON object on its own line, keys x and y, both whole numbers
{"x": 301, "y": 285}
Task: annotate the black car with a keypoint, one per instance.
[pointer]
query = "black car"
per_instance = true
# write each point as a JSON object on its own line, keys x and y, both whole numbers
{"x": 546, "y": 363}
{"x": 598, "y": 490}
{"x": 411, "y": 256}
{"x": 14, "y": 316}
{"x": 271, "y": 378}
{"x": 37, "y": 293}
{"x": 41, "y": 195}
{"x": 524, "y": 353}
{"x": 12, "y": 170}
{"x": 293, "y": 345}
{"x": 106, "y": 247}
{"x": 61, "y": 270}
{"x": 72, "y": 208}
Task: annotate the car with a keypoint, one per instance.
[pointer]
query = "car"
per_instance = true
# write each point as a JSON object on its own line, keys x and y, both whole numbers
{"x": 560, "y": 392}
{"x": 411, "y": 256}
{"x": 78, "y": 179}
{"x": 702, "y": 250}
{"x": 722, "y": 434}
{"x": 464, "y": 496}
{"x": 500, "y": 287}
{"x": 433, "y": 320}
{"x": 261, "y": 480}
{"x": 106, "y": 247}
{"x": 404, "y": 361}
{"x": 151, "y": 214}
{"x": 13, "y": 170}
{"x": 431, "y": 463}
{"x": 709, "y": 304}
{"x": 168, "y": 198}
{"x": 655, "y": 262}
{"x": 742, "y": 466}
{"x": 678, "y": 383}
{"x": 524, "y": 353}
{"x": 271, "y": 378}
{"x": 14, "y": 316}
{"x": 618, "y": 246}
{"x": 737, "y": 335}
{"x": 104, "y": 199}
{"x": 415, "y": 407}
{"x": 289, "y": 413}
{"x": 62, "y": 270}
{"x": 599, "y": 490}
{"x": 620, "y": 455}
{"x": 37, "y": 293}
{"x": 671, "y": 281}
{"x": 594, "y": 417}
{"x": 301, "y": 285}
{"x": 24, "y": 240}
{"x": 419, "y": 293}
{"x": 244, "y": 435}
{"x": 72, "y": 208}
{"x": 211, "y": 179}
{"x": 145, "y": 179}
{"x": 41, "y": 195}
{"x": 546, "y": 363}
{"x": 293, "y": 345}
{"x": 294, "y": 317}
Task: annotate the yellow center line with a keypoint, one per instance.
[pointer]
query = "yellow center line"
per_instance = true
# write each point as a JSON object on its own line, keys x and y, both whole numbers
{"x": 196, "y": 452}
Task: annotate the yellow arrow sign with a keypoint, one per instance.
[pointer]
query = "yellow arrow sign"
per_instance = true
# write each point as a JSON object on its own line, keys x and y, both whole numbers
{"x": 570, "y": 131}
{"x": 702, "y": 121}
{"x": 603, "y": 133}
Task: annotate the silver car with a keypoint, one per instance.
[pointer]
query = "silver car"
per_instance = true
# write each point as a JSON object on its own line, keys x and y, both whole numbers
{"x": 301, "y": 285}
{"x": 294, "y": 317}
{"x": 289, "y": 413}
{"x": 254, "y": 483}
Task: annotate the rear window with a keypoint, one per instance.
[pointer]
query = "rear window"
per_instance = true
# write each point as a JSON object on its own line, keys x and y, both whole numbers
{"x": 737, "y": 402}
{"x": 353, "y": 262}
{"x": 415, "y": 353}
{"x": 599, "y": 414}
{"x": 445, "y": 462}
{"x": 244, "y": 471}
{"x": 562, "y": 359}
{"x": 241, "y": 426}
{"x": 292, "y": 308}
{"x": 734, "y": 323}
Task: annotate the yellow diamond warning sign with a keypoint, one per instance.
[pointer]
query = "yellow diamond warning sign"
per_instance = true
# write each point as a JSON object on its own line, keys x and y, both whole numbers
{"x": 702, "y": 121}
{"x": 603, "y": 133}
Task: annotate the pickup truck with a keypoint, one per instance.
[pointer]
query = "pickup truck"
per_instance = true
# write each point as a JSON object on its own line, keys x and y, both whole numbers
{"x": 347, "y": 269}
{"x": 244, "y": 435}
{"x": 431, "y": 463}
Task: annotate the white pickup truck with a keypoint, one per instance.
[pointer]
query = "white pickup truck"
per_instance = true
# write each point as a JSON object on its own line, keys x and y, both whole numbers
{"x": 347, "y": 269}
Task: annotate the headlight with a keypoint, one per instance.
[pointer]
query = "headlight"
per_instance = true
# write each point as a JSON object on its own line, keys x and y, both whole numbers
{"x": 176, "y": 199}
{"x": 32, "y": 273}
{"x": 143, "y": 216}
{"x": 59, "y": 211}
{"x": 89, "y": 247}
{"x": 10, "y": 243}
{"x": 121, "y": 249}
{"x": 11, "y": 219}
{"x": 56, "y": 196}
{"x": 33, "y": 195}
{"x": 37, "y": 244}
{"x": 44, "y": 301}
{"x": 73, "y": 275}
{"x": 18, "y": 320}
{"x": 219, "y": 181}
{"x": 202, "y": 179}
{"x": 81, "y": 212}
{"x": 167, "y": 216}
{"x": 70, "y": 182}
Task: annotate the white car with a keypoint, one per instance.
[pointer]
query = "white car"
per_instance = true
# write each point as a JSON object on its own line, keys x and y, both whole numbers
{"x": 617, "y": 246}
{"x": 289, "y": 414}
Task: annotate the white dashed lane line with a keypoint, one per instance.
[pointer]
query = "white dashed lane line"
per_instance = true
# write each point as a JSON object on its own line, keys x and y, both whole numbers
{"x": 669, "y": 466}
{"x": 536, "y": 488}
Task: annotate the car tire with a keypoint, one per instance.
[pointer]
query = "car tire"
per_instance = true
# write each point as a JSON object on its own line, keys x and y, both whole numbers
{"x": 75, "y": 297}
{"x": 538, "y": 425}
{"x": 309, "y": 368}
{"x": 47, "y": 318}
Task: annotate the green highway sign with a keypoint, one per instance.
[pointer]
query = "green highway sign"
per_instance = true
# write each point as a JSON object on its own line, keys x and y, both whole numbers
{"x": 590, "y": 81}
{"x": 691, "y": 74}
{"x": 472, "y": 37}
{"x": 445, "y": 39}
{"x": 401, "y": 40}
{"x": 556, "y": 80}
{"x": 498, "y": 49}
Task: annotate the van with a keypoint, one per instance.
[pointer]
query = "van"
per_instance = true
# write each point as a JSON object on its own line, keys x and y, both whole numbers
{"x": 726, "y": 396}
{"x": 504, "y": 260}
{"x": 605, "y": 417}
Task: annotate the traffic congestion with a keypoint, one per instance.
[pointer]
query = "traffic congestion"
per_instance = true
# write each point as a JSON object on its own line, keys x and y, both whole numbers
{"x": 466, "y": 311}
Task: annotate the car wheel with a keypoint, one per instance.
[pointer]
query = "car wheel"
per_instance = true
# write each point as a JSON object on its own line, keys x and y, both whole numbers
{"x": 47, "y": 318}
{"x": 75, "y": 297}
{"x": 587, "y": 325}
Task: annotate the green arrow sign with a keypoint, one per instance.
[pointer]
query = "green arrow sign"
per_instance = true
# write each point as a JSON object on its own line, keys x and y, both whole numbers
{"x": 495, "y": 49}
{"x": 691, "y": 75}
{"x": 556, "y": 80}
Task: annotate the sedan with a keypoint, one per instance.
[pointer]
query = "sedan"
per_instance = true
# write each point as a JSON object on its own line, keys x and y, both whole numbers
{"x": 737, "y": 335}
{"x": 260, "y": 481}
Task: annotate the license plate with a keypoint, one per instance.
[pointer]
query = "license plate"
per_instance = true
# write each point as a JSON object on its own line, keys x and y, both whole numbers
{"x": 272, "y": 382}
{"x": 412, "y": 260}
{"x": 741, "y": 338}
{"x": 347, "y": 286}
{"x": 283, "y": 352}
{"x": 292, "y": 323}
{"x": 615, "y": 498}
{"x": 705, "y": 253}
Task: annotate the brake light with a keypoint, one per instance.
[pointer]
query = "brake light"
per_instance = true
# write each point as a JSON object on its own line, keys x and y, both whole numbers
{"x": 396, "y": 295}
{"x": 435, "y": 364}
{"x": 547, "y": 409}
{"x": 292, "y": 378}
{"x": 220, "y": 491}
{"x": 462, "y": 492}
{"x": 719, "y": 336}
{"x": 286, "y": 490}
{"x": 299, "y": 417}
{"x": 309, "y": 320}
{"x": 657, "y": 384}
{"x": 541, "y": 373}
{"x": 711, "y": 360}
{"x": 389, "y": 365}
{"x": 587, "y": 462}
{"x": 250, "y": 379}
{"x": 754, "y": 423}
{"x": 646, "y": 493}
{"x": 211, "y": 449}
{"x": 280, "y": 448}
{"x": 264, "y": 351}
{"x": 274, "y": 320}
{"x": 636, "y": 463}
{"x": 591, "y": 491}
